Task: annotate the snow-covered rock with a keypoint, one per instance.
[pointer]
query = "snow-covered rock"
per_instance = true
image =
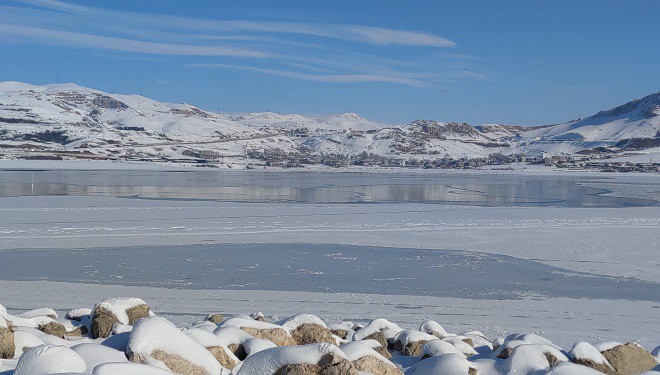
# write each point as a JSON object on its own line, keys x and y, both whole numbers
{"x": 117, "y": 310}
{"x": 50, "y": 359}
{"x": 307, "y": 329}
{"x": 264, "y": 330}
{"x": 156, "y": 341}
{"x": 304, "y": 359}
{"x": 44, "y": 311}
{"x": 445, "y": 364}
{"x": 410, "y": 342}
{"x": 94, "y": 354}
{"x": 586, "y": 354}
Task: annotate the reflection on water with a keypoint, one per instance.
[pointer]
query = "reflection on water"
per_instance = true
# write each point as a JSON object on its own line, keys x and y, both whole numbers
{"x": 307, "y": 187}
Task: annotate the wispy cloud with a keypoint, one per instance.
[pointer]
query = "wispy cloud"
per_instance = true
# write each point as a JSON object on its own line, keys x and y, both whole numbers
{"x": 354, "y": 33}
{"x": 120, "y": 44}
{"x": 332, "y": 78}
{"x": 297, "y": 50}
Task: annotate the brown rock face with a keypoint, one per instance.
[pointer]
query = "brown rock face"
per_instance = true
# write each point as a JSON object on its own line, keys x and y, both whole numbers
{"x": 629, "y": 359}
{"x": 277, "y": 335}
{"x": 414, "y": 348}
{"x": 596, "y": 366}
{"x": 222, "y": 357}
{"x": 505, "y": 353}
{"x": 341, "y": 333}
{"x": 103, "y": 319}
{"x": 329, "y": 364}
{"x": 375, "y": 367}
{"x": 378, "y": 336}
{"x": 468, "y": 341}
{"x": 215, "y": 318}
{"x": 175, "y": 363}
{"x": 136, "y": 313}
{"x": 311, "y": 333}
{"x": 53, "y": 328}
{"x": 552, "y": 360}
{"x": 7, "y": 347}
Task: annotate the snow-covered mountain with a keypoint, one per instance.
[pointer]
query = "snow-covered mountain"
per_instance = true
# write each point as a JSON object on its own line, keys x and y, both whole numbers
{"x": 71, "y": 118}
{"x": 635, "y": 124}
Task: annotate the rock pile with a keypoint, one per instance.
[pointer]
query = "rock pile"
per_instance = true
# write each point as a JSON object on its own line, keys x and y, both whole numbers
{"x": 123, "y": 336}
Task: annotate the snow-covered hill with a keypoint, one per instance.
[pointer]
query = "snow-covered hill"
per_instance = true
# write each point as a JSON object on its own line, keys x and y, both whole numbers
{"x": 635, "y": 124}
{"x": 71, "y": 118}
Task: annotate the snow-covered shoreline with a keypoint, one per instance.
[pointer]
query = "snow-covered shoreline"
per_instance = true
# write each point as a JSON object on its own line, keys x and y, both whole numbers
{"x": 91, "y": 165}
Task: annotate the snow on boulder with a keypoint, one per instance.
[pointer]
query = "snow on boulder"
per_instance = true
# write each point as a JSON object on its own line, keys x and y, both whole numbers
{"x": 213, "y": 344}
{"x": 78, "y": 314}
{"x": 157, "y": 341}
{"x": 49, "y": 359}
{"x": 128, "y": 368}
{"x": 307, "y": 329}
{"x": 311, "y": 359}
{"x": 94, "y": 354}
{"x": 526, "y": 358}
{"x": 433, "y": 328}
{"x": 629, "y": 358}
{"x": 515, "y": 339}
{"x": 368, "y": 360}
{"x": 3, "y": 310}
{"x": 255, "y": 345}
{"x": 44, "y": 311}
{"x": 262, "y": 330}
{"x": 233, "y": 338}
{"x": 118, "y": 342}
{"x": 567, "y": 368}
{"x": 462, "y": 344}
{"x": 410, "y": 342}
{"x": 25, "y": 340}
{"x": 586, "y": 354}
{"x": 343, "y": 330}
{"x": 435, "y": 348}
{"x": 117, "y": 310}
{"x": 7, "y": 344}
{"x": 656, "y": 353}
{"x": 386, "y": 329}
{"x": 445, "y": 364}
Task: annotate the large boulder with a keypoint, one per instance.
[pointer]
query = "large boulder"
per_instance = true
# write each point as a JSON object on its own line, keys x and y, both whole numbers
{"x": 49, "y": 359}
{"x": 156, "y": 340}
{"x": 629, "y": 359}
{"x": 44, "y": 311}
{"x": 7, "y": 346}
{"x": 586, "y": 354}
{"x": 214, "y": 345}
{"x": 366, "y": 359}
{"x": 329, "y": 364}
{"x": 311, "y": 359}
{"x": 310, "y": 333}
{"x": 410, "y": 343}
{"x": 308, "y": 329}
{"x": 262, "y": 330}
{"x": 125, "y": 311}
{"x": 54, "y": 328}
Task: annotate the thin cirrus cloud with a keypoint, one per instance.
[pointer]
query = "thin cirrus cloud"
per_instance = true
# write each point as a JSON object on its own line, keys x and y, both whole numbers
{"x": 296, "y": 50}
{"x": 332, "y": 78}
{"x": 354, "y": 33}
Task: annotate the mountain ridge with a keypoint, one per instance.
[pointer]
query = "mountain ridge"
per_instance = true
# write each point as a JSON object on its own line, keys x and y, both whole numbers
{"x": 71, "y": 118}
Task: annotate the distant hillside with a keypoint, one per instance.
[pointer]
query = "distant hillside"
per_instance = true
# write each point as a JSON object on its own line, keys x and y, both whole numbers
{"x": 71, "y": 118}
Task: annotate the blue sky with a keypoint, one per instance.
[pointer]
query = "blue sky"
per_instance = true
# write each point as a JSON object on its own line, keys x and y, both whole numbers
{"x": 518, "y": 62}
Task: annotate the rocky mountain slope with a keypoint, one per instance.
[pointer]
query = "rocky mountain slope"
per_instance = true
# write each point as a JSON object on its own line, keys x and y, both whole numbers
{"x": 70, "y": 118}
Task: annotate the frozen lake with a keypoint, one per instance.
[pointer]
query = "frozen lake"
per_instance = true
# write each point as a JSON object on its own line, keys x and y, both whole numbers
{"x": 321, "y": 268}
{"x": 485, "y": 189}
